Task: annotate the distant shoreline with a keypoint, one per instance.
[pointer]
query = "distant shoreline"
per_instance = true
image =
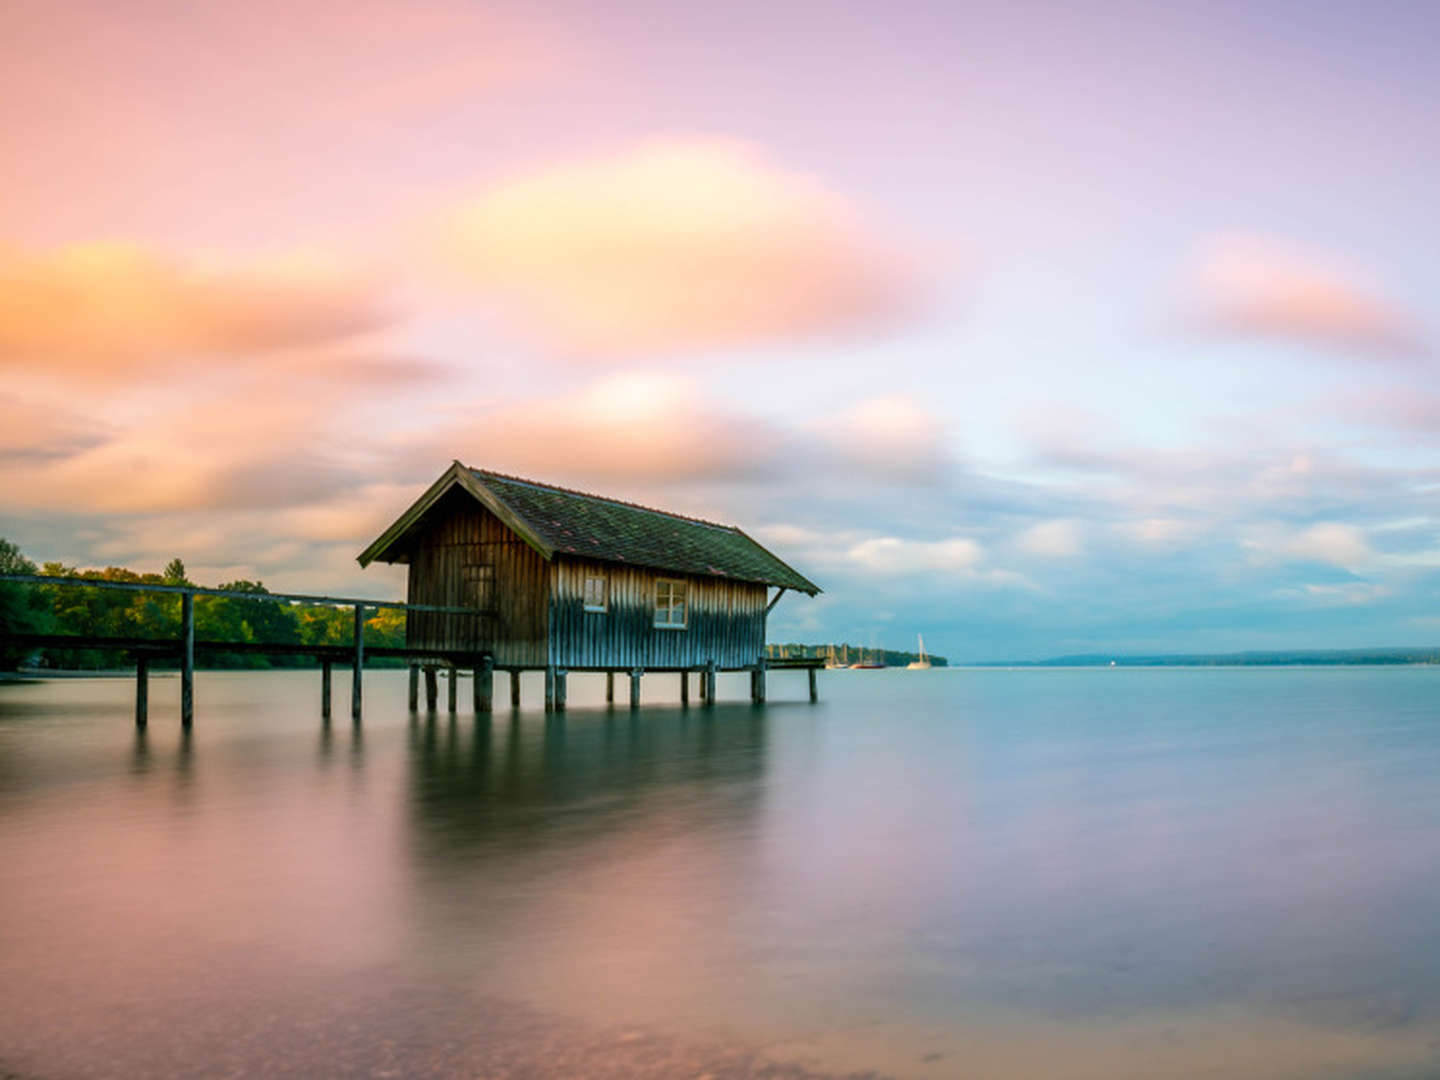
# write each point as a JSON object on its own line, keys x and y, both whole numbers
{"x": 1387, "y": 657}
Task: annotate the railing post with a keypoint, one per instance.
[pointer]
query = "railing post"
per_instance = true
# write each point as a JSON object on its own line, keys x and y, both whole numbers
{"x": 325, "y": 667}
{"x": 187, "y": 659}
{"x": 485, "y": 685}
{"x": 355, "y": 680}
{"x": 142, "y": 689}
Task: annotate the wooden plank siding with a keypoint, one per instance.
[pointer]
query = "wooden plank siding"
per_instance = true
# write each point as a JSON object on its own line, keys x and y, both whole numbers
{"x": 458, "y": 546}
{"x": 725, "y": 620}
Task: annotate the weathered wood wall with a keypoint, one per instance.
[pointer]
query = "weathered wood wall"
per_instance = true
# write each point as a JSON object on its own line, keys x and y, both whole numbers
{"x": 726, "y": 620}
{"x": 458, "y": 547}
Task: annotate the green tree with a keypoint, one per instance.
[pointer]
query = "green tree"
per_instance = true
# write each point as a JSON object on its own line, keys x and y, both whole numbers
{"x": 231, "y": 618}
{"x": 23, "y": 608}
{"x": 175, "y": 573}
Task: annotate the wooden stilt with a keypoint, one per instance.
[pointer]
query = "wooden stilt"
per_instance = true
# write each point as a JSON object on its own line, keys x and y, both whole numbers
{"x": 325, "y": 689}
{"x": 514, "y": 688}
{"x": 684, "y": 689}
{"x": 414, "y": 687}
{"x": 450, "y": 694}
{"x": 485, "y": 685}
{"x": 550, "y": 688}
{"x": 757, "y": 683}
{"x": 142, "y": 690}
{"x": 359, "y": 663}
{"x": 432, "y": 690}
{"x": 635, "y": 674}
{"x": 609, "y": 688}
{"x": 814, "y": 687}
{"x": 710, "y": 682}
{"x": 187, "y": 659}
{"x": 561, "y": 678}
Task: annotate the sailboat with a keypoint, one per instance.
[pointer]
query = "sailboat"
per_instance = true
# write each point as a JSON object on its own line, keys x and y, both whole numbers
{"x": 923, "y": 664}
{"x": 870, "y": 659}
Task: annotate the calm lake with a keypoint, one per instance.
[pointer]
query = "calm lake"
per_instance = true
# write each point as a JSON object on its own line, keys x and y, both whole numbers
{"x": 1038, "y": 873}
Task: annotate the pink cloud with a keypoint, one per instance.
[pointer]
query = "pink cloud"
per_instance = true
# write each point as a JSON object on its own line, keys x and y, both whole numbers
{"x": 653, "y": 428}
{"x": 38, "y": 432}
{"x": 673, "y": 246}
{"x": 1247, "y": 286}
{"x": 646, "y": 427}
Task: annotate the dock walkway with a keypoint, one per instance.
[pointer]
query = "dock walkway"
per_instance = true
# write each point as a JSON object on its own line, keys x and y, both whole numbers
{"x": 424, "y": 661}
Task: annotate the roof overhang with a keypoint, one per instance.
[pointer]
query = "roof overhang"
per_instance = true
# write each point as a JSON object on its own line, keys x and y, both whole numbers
{"x": 389, "y": 547}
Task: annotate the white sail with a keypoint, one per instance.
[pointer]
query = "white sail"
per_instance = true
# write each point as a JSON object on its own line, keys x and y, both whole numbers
{"x": 923, "y": 664}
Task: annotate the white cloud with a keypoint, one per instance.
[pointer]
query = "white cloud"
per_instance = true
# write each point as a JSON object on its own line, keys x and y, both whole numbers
{"x": 1061, "y": 538}
{"x": 1332, "y": 542}
{"x": 1350, "y": 593}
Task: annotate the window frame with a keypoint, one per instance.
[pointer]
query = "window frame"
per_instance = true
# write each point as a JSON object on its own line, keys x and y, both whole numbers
{"x": 675, "y": 585}
{"x": 604, "y": 604}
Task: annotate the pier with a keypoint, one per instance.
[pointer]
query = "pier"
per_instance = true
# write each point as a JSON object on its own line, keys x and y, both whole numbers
{"x": 425, "y": 662}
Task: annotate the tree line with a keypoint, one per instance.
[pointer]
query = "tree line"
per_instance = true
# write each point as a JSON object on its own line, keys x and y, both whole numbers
{"x": 75, "y": 609}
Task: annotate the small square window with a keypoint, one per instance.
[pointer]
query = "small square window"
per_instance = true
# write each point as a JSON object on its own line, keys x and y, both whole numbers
{"x": 480, "y": 585}
{"x": 596, "y": 594}
{"x": 670, "y": 604}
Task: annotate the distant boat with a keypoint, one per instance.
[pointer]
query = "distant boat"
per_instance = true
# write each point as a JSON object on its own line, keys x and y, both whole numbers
{"x": 867, "y": 663}
{"x": 923, "y": 664}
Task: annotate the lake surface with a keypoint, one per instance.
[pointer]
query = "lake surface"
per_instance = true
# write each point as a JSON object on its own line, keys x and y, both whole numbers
{"x": 1039, "y": 873}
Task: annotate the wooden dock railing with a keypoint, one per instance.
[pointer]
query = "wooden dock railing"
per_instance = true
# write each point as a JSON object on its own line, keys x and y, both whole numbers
{"x": 185, "y": 647}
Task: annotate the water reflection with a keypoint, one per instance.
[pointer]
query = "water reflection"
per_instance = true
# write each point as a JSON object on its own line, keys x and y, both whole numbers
{"x": 140, "y": 753}
{"x": 495, "y": 785}
{"x": 1164, "y": 875}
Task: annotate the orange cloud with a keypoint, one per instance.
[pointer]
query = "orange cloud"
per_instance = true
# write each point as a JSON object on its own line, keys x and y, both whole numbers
{"x": 121, "y": 309}
{"x": 1248, "y": 286}
{"x": 674, "y": 246}
{"x": 245, "y": 449}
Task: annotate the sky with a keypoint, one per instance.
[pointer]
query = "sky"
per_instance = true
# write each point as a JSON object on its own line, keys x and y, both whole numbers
{"x": 1037, "y": 328}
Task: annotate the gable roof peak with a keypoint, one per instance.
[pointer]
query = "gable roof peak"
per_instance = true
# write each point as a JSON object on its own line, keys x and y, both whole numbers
{"x": 484, "y": 473}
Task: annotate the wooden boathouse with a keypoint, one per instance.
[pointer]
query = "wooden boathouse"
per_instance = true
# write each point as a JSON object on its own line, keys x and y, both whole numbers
{"x": 569, "y": 581}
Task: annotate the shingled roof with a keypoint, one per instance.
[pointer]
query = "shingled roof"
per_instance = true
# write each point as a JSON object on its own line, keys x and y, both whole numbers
{"x": 556, "y": 520}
